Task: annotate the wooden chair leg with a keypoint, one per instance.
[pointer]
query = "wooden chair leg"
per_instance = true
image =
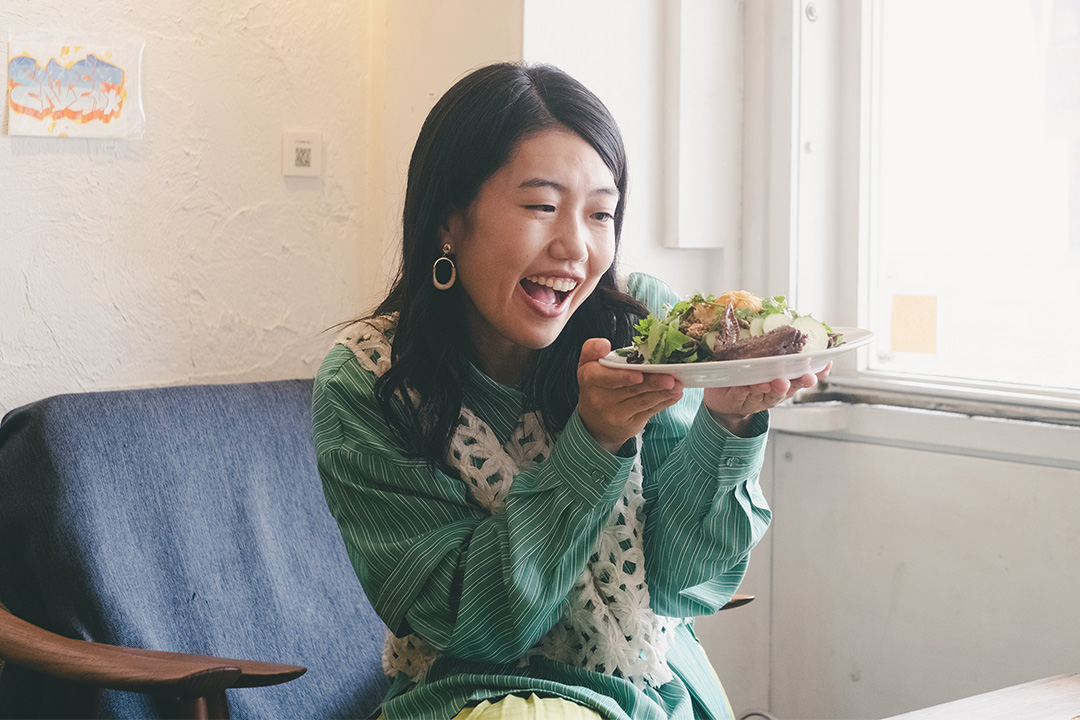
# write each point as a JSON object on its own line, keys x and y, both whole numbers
{"x": 208, "y": 707}
{"x": 217, "y": 706}
{"x": 193, "y": 708}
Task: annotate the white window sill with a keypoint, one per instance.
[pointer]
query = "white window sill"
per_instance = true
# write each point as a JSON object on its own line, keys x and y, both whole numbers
{"x": 1027, "y": 441}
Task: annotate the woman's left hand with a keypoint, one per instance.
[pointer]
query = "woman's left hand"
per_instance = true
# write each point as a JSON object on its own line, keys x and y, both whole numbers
{"x": 734, "y": 406}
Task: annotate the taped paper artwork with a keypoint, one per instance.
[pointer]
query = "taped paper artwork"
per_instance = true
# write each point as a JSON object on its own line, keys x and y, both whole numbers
{"x": 63, "y": 87}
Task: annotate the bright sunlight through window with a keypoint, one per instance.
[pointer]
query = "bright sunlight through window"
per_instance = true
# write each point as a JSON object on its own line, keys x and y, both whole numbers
{"x": 975, "y": 190}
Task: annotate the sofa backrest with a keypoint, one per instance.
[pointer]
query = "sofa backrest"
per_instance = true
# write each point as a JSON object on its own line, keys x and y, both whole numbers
{"x": 187, "y": 519}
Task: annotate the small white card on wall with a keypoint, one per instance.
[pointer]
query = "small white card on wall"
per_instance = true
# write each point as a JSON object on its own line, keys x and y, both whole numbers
{"x": 301, "y": 154}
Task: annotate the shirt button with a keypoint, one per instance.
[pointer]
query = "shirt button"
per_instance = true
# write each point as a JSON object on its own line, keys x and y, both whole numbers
{"x": 733, "y": 462}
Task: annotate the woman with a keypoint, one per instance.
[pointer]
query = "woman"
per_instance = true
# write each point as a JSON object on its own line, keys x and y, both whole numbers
{"x": 533, "y": 527}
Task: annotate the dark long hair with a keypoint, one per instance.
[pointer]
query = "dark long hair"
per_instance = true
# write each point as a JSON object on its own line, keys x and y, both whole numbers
{"x": 468, "y": 135}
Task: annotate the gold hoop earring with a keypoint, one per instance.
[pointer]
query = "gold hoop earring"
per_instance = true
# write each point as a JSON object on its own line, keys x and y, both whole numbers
{"x": 444, "y": 284}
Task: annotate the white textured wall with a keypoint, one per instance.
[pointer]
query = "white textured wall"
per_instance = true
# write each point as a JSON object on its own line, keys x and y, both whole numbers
{"x": 186, "y": 256}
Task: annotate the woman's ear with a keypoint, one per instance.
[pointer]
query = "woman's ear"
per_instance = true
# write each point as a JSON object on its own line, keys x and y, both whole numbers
{"x": 452, "y": 229}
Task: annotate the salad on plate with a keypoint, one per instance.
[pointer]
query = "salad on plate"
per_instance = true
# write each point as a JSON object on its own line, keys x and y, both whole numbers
{"x": 736, "y": 325}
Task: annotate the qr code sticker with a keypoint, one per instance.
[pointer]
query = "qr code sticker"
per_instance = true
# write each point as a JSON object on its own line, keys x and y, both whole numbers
{"x": 303, "y": 157}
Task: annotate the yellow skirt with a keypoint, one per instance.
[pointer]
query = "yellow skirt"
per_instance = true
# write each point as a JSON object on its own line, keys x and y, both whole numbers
{"x": 512, "y": 707}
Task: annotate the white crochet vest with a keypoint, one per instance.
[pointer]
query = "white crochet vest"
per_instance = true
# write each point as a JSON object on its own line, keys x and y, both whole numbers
{"x": 608, "y": 626}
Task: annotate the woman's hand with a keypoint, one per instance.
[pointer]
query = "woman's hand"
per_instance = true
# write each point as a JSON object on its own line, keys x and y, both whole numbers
{"x": 615, "y": 404}
{"x": 734, "y": 406}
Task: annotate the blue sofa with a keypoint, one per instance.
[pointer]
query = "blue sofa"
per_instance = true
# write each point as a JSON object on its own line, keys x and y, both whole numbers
{"x": 185, "y": 520}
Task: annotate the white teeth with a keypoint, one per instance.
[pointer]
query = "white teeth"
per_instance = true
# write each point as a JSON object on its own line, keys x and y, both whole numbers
{"x": 557, "y": 284}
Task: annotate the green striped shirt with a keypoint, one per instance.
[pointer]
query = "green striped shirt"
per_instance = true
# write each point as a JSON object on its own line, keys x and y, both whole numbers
{"x": 483, "y": 588}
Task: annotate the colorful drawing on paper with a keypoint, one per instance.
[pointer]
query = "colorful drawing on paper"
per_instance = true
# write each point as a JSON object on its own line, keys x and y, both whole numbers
{"x": 67, "y": 89}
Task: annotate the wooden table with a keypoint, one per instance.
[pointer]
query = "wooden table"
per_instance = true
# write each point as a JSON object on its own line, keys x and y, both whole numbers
{"x": 1052, "y": 698}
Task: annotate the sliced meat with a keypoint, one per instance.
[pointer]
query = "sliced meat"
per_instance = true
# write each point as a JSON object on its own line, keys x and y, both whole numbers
{"x": 784, "y": 340}
{"x": 727, "y": 332}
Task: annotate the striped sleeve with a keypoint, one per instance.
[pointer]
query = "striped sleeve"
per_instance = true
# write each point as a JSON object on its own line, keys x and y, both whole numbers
{"x": 704, "y": 507}
{"x": 477, "y": 586}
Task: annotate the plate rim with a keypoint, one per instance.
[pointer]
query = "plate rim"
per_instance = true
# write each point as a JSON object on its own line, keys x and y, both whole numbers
{"x": 613, "y": 360}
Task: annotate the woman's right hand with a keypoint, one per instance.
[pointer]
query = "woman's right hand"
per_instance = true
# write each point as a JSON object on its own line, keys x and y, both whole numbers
{"x": 614, "y": 404}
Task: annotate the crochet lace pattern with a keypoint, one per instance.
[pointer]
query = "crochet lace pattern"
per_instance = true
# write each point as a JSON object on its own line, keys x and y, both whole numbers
{"x": 608, "y": 626}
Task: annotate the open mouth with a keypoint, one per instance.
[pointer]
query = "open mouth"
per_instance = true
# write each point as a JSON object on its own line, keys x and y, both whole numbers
{"x": 548, "y": 290}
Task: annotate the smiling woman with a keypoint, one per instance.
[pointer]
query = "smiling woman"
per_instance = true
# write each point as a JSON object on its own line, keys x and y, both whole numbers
{"x": 527, "y": 521}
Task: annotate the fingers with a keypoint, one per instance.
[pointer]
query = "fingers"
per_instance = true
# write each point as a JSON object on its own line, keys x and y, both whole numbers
{"x": 749, "y": 399}
{"x": 614, "y": 404}
{"x": 609, "y": 379}
{"x": 650, "y": 395}
{"x": 649, "y": 401}
{"x": 593, "y": 374}
{"x": 770, "y": 393}
{"x": 641, "y": 418}
{"x": 593, "y": 349}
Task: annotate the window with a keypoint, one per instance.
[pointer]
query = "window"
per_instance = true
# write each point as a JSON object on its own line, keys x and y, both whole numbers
{"x": 961, "y": 133}
{"x": 974, "y": 190}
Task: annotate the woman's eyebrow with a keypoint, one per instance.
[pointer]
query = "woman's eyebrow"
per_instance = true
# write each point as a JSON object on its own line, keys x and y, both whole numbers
{"x": 558, "y": 187}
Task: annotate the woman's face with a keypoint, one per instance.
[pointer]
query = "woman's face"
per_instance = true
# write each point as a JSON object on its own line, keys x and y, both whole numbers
{"x": 532, "y": 247}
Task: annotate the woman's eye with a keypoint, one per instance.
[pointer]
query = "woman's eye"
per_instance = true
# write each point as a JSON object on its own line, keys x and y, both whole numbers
{"x": 603, "y": 216}
{"x": 541, "y": 208}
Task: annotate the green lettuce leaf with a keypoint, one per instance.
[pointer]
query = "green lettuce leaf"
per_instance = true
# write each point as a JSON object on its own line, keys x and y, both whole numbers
{"x": 661, "y": 341}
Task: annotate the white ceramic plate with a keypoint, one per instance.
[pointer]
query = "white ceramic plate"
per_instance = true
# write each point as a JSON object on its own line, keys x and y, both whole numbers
{"x": 728, "y": 373}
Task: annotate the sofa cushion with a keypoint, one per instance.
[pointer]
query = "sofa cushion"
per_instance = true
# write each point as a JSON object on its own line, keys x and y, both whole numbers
{"x": 188, "y": 519}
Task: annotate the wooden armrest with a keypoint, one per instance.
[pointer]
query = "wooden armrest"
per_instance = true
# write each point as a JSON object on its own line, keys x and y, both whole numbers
{"x": 737, "y": 601}
{"x": 120, "y": 668}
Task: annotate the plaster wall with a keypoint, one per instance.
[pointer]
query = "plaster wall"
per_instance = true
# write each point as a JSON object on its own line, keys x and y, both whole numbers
{"x": 186, "y": 256}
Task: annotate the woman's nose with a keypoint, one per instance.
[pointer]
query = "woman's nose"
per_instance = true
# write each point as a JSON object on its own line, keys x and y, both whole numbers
{"x": 571, "y": 241}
